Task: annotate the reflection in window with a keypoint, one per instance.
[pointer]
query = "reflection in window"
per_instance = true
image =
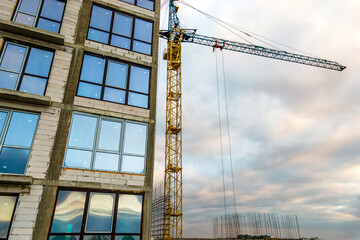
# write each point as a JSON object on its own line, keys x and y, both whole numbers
{"x": 72, "y": 220}
{"x": 129, "y": 214}
{"x": 7, "y": 207}
{"x": 113, "y": 145}
{"x": 119, "y": 83}
{"x": 69, "y": 212}
{"x": 44, "y": 14}
{"x": 117, "y": 29}
{"x": 148, "y": 4}
{"x": 24, "y": 68}
{"x": 17, "y": 136}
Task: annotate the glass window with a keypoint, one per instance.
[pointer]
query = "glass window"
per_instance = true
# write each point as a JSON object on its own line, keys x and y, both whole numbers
{"x": 68, "y": 212}
{"x": 113, "y": 145}
{"x": 120, "y": 82}
{"x": 124, "y": 34}
{"x": 100, "y": 220}
{"x": 17, "y": 136}
{"x": 100, "y": 213}
{"x": 148, "y": 4}
{"x": 44, "y": 14}
{"x": 129, "y": 214}
{"x": 24, "y": 68}
{"x": 7, "y": 207}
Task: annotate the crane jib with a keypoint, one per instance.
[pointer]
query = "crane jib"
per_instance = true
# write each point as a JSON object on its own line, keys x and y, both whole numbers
{"x": 263, "y": 52}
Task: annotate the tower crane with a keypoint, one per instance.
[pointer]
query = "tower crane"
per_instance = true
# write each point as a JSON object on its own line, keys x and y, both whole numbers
{"x": 176, "y": 35}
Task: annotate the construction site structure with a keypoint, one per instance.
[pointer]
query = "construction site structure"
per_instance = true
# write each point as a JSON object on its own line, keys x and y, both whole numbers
{"x": 176, "y": 35}
{"x": 257, "y": 224}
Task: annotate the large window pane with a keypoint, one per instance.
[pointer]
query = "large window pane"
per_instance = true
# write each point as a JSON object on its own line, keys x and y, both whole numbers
{"x": 78, "y": 158}
{"x": 100, "y": 213}
{"x": 7, "y": 206}
{"x": 142, "y": 47}
{"x": 143, "y": 30}
{"x": 131, "y": 164}
{"x": 53, "y": 9}
{"x": 13, "y": 160}
{"x": 135, "y": 138}
{"x": 117, "y": 74}
{"x": 29, "y": 6}
{"x": 48, "y": 25}
{"x": 138, "y": 100}
{"x": 35, "y": 85}
{"x": 21, "y": 129}
{"x": 13, "y": 57}
{"x": 106, "y": 162}
{"x": 93, "y": 69}
{"x": 98, "y": 36}
{"x": 122, "y": 25}
{"x": 8, "y": 80}
{"x": 25, "y": 19}
{"x": 69, "y": 212}
{"x": 82, "y": 131}
{"x": 89, "y": 90}
{"x": 39, "y": 62}
{"x": 129, "y": 214}
{"x": 124, "y": 32}
{"x": 139, "y": 79}
{"x": 121, "y": 42}
{"x": 114, "y": 95}
{"x": 146, "y": 4}
{"x": 109, "y": 135}
{"x": 100, "y": 18}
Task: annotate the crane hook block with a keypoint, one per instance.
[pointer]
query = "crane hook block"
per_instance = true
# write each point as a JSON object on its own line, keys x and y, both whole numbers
{"x": 217, "y": 45}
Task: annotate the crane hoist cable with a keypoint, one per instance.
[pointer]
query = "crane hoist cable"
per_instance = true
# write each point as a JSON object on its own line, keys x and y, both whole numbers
{"x": 220, "y": 133}
{"x": 228, "y": 130}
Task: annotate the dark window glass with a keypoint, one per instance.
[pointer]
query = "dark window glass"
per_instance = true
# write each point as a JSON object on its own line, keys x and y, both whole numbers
{"x": 24, "y": 68}
{"x": 7, "y": 207}
{"x": 120, "y": 83}
{"x": 17, "y": 136}
{"x": 124, "y": 34}
{"x": 148, "y": 4}
{"x": 44, "y": 14}
{"x": 109, "y": 144}
{"x": 72, "y": 220}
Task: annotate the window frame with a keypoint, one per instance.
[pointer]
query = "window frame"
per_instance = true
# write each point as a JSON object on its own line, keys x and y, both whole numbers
{"x": 25, "y": 62}
{"x": 103, "y": 85}
{"x": 136, "y": 4}
{"x": 95, "y": 148}
{"x": 37, "y": 15}
{"x": 4, "y": 133}
{"x": 110, "y": 32}
{"x": 88, "y": 194}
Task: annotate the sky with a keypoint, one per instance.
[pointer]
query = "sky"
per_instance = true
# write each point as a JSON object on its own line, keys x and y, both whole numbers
{"x": 294, "y": 129}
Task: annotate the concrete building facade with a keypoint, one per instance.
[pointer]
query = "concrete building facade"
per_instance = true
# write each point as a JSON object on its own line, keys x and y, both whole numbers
{"x": 78, "y": 85}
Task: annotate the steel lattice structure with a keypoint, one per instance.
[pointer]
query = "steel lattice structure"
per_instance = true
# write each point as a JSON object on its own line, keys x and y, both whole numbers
{"x": 173, "y": 216}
